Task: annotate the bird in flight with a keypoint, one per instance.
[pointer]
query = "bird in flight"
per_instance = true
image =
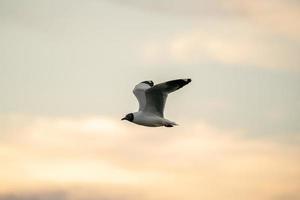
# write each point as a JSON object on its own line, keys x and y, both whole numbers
{"x": 152, "y": 99}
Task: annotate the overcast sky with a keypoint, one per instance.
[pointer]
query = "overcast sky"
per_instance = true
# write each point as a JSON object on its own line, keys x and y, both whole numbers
{"x": 70, "y": 66}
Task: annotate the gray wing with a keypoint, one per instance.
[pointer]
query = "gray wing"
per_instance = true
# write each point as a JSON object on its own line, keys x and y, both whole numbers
{"x": 139, "y": 92}
{"x": 156, "y": 96}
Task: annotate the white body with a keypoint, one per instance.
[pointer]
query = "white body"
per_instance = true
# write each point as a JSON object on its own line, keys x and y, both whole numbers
{"x": 152, "y": 120}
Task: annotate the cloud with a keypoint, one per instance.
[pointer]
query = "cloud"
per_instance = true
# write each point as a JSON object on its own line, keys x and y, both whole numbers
{"x": 280, "y": 16}
{"x": 193, "y": 161}
{"x": 34, "y": 196}
{"x": 244, "y": 33}
{"x": 239, "y": 45}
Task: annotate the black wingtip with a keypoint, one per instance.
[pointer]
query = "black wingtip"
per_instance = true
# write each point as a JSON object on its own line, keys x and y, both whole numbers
{"x": 186, "y": 81}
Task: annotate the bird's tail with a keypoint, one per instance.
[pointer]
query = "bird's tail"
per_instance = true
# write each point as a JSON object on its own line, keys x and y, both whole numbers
{"x": 170, "y": 124}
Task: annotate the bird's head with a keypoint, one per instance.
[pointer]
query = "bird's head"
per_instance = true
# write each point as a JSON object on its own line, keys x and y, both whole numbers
{"x": 128, "y": 117}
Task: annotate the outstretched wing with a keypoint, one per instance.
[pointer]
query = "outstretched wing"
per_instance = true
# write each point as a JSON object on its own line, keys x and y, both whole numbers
{"x": 139, "y": 92}
{"x": 156, "y": 96}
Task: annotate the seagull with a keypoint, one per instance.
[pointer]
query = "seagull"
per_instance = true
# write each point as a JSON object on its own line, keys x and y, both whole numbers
{"x": 152, "y": 99}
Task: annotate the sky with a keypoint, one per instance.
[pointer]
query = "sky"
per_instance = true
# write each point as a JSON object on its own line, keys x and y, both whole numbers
{"x": 67, "y": 70}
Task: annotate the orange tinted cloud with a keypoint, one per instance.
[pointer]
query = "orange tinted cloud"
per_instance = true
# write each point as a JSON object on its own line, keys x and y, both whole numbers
{"x": 192, "y": 161}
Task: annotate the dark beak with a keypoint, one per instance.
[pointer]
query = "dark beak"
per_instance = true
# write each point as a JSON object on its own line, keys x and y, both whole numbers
{"x": 124, "y": 118}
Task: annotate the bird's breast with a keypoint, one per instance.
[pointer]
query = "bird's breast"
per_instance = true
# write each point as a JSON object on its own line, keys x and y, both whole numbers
{"x": 146, "y": 119}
